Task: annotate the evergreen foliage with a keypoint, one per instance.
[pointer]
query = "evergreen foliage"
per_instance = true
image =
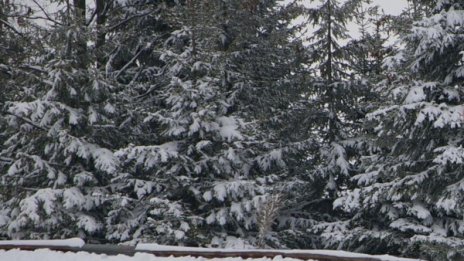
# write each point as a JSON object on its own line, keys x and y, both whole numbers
{"x": 58, "y": 139}
{"x": 215, "y": 157}
{"x": 337, "y": 88}
{"x": 230, "y": 124}
{"x": 408, "y": 197}
{"x": 338, "y": 97}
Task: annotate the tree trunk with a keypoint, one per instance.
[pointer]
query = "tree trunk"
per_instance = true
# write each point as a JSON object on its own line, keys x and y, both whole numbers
{"x": 2, "y": 17}
{"x": 329, "y": 77}
{"x": 101, "y": 10}
{"x": 81, "y": 45}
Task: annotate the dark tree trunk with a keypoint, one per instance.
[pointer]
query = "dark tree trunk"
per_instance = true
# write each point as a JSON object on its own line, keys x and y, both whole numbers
{"x": 101, "y": 10}
{"x": 81, "y": 45}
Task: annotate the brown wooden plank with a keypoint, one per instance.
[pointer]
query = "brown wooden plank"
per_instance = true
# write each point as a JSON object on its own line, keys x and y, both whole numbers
{"x": 256, "y": 254}
{"x": 34, "y": 247}
{"x": 130, "y": 251}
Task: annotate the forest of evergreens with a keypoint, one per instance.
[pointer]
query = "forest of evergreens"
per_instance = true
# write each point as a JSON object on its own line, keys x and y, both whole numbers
{"x": 234, "y": 123}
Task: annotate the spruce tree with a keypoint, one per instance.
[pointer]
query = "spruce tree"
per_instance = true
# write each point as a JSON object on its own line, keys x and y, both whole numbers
{"x": 213, "y": 158}
{"x": 336, "y": 94}
{"x": 59, "y": 137}
{"x": 368, "y": 51}
{"x": 408, "y": 200}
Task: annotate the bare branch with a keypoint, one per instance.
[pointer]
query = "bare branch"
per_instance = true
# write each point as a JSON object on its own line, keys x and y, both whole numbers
{"x": 129, "y": 63}
{"x": 46, "y": 14}
{"x": 128, "y": 19}
{"x": 11, "y": 27}
{"x": 92, "y": 17}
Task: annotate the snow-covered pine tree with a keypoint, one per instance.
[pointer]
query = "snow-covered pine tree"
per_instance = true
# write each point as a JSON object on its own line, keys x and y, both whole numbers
{"x": 419, "y": 8}
{"x": 139, "y": 30}
{"x": 59, "y": 137}
{"x": 336, "y": 94}
{"x": 7, "y": 54}
{"x": 416, "y": 9}
{"x": 11, "y": 48}
{"x": 202, "y": 177}
{"x": 409, "y": 198}
{"x": 16, "y": 44}
{"x": 277, "y": 101}
{"x": 335, "y": 86}
{"x": 369, "y": 50}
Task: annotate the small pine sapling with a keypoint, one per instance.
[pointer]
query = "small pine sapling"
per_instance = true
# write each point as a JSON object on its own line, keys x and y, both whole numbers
{"x": 268, "y": 212}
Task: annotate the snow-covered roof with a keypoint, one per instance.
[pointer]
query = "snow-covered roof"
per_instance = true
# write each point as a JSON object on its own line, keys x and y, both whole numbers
{"x": 76, "y": 249}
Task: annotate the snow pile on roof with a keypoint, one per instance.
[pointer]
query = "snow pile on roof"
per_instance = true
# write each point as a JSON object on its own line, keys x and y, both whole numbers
{"x": 45, "y": 254}
{"x": 71, "y": 242}
{"x": 334, "y": 253}
{"x": 148, "y": 252}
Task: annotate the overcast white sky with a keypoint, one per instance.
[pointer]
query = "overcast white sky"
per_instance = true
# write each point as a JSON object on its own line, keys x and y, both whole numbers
{"x": 391, "y": 6}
